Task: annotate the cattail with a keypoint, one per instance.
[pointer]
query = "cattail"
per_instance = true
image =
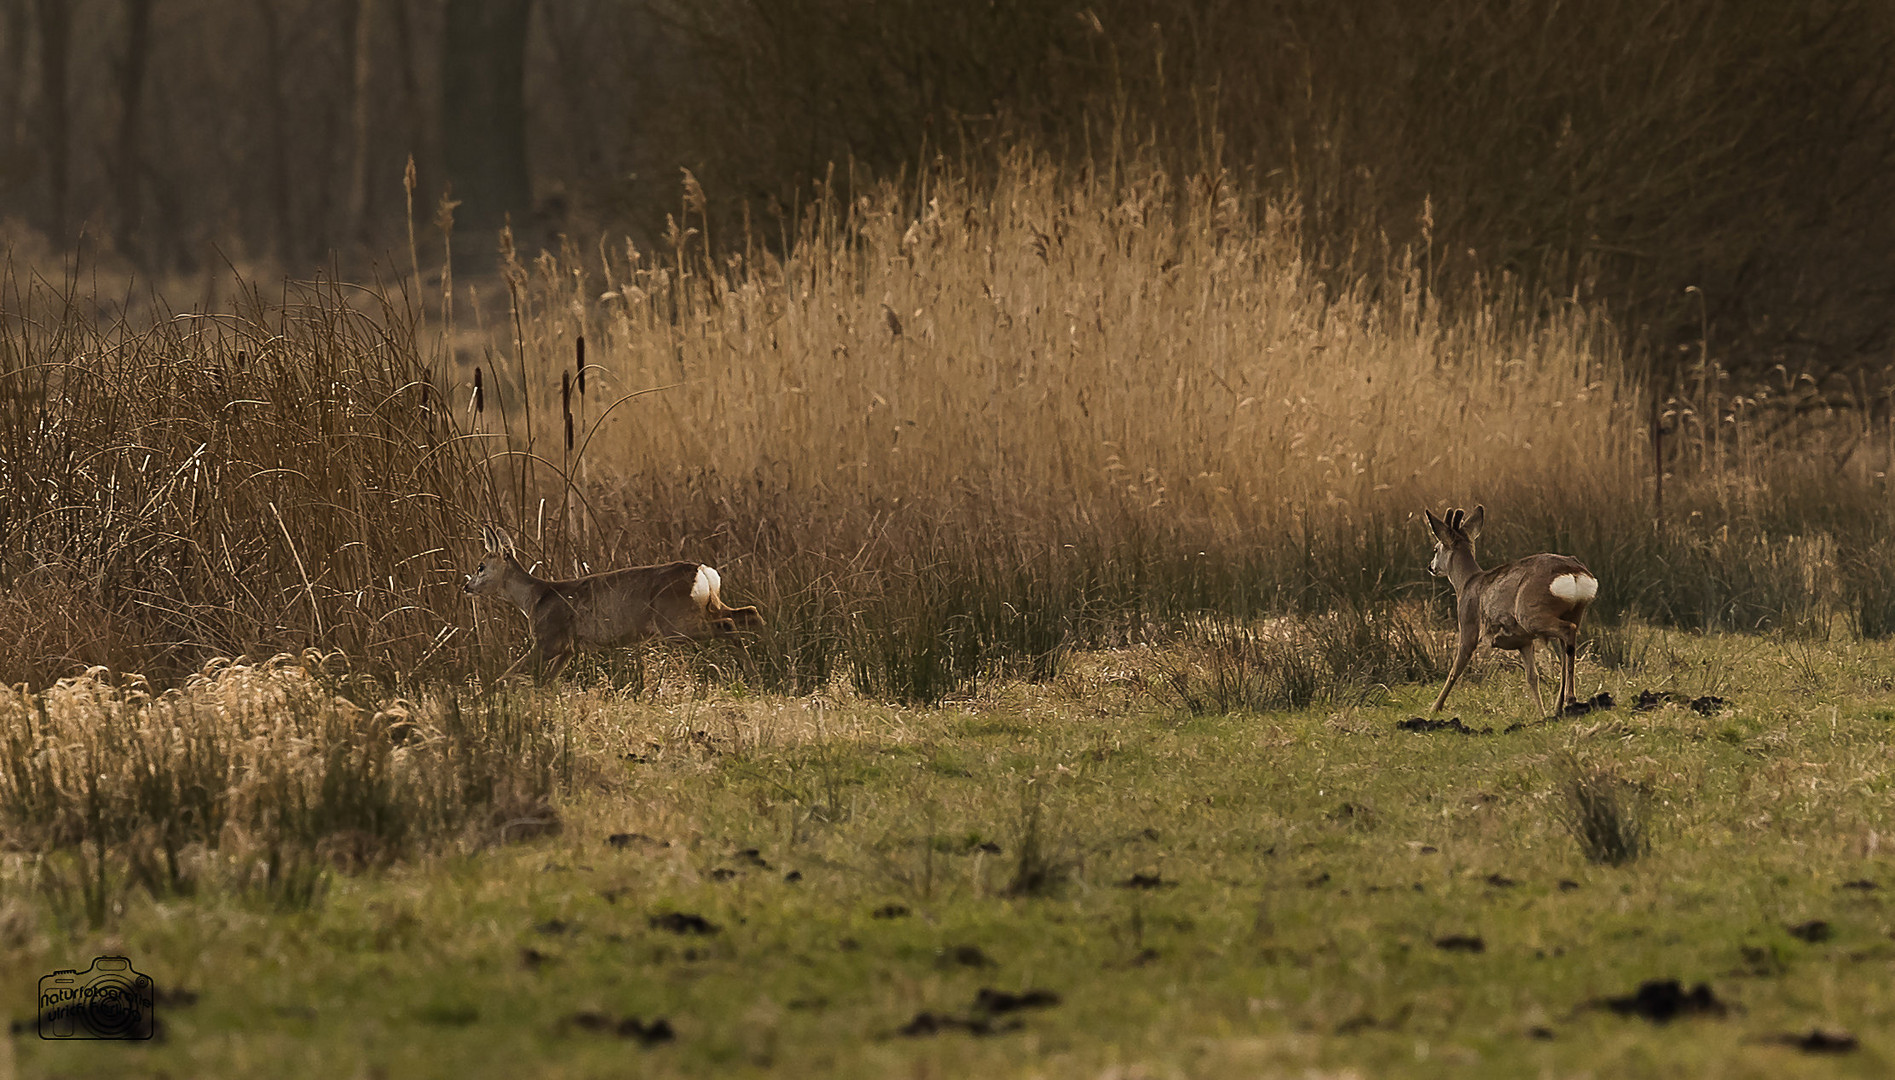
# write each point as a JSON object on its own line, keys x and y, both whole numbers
{"x": 579, "y": 348}
{"x": 565, "y": 404}
{"x": 480, "y": 398}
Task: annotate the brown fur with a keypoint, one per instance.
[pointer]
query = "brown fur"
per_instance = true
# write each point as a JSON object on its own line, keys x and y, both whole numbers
{"x": 617, "y": 607}
{"x": 1510, "y": 606}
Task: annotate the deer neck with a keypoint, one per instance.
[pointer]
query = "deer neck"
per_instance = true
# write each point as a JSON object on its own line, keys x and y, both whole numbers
{"x": 522, "y": 588}
{"x": 1462, "y": 568}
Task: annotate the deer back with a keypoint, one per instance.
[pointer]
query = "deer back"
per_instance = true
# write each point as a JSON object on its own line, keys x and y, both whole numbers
{"x": 621, "y": 606}
{"x": 1531, "y": 596}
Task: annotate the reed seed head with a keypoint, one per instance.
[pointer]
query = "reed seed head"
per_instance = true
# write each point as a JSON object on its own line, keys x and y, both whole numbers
{"x": 693, "y": 193}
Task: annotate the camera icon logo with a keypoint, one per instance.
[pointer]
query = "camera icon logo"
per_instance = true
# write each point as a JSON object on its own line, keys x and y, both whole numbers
{"x": 105, "y": 1001}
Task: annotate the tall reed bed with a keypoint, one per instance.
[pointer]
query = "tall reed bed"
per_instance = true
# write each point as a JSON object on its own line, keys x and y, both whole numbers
{"x": 956, "y": 427}
{"x": 277, "y": 476}
{"x": 940, "y": 432}
{"x": 1055, "y": 359}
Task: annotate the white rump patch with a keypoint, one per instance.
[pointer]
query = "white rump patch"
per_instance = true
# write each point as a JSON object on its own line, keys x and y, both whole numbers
{"x": 706, "y": 585}
{"x": 1575, "y": 588}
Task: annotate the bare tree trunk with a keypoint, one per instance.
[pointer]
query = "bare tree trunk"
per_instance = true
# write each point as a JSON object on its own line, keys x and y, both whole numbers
{"x": 483, "y": 119}
{"x": 13, "y": 78}
{"x": 279, "y": 168}
{"x": 55, "y": 120}
{"x": 354, "y": 229}
{"x": 131, "y": 95}
{"x": 413, "y": 104}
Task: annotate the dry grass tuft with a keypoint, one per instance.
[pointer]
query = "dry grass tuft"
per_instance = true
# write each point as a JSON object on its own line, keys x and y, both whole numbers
{"x": 1341, "y": 658}
{"x": 1607, "y": 814}
{"x": 291, "y": 764}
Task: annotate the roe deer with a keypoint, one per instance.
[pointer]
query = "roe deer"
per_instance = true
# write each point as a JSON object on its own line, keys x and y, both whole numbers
{"x": 1513, "y": 605}
{"x": 617, "y": 607}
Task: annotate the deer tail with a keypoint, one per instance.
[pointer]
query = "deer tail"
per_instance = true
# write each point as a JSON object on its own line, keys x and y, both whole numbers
{"x": 704, "y": 588}
{"x": 705, "y": 591}
{"x": 744, "y": 617}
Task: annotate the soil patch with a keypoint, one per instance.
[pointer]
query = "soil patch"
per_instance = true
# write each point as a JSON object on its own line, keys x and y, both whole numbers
{"x": 683, "y": 922}
{"x": 1664, "y": 1000}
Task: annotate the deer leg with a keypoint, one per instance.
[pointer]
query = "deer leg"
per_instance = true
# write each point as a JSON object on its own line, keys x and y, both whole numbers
{"x": 556, "y": 647}
{"x": 1568, "y": 684}
{"x": 516, "y": 666}
{"x": 495, "y": 685}
{"x": 1533, "y": 676}
{"x": 1559, "y": 649}
{"x": 1468, "y": 641}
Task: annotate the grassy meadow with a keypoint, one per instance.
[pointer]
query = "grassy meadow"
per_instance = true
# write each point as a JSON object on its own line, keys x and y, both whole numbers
{"x": 828, "y": 884}
{"x": 1084, "y": 509}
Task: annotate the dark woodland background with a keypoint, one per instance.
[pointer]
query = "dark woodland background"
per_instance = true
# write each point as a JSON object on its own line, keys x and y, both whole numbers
{"x": 1714, "y": 170}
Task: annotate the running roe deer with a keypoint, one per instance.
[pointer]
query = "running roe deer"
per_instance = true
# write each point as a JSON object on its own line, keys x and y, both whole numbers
{"x": 1513, "y": 605}
{"x": 617, "y": 607}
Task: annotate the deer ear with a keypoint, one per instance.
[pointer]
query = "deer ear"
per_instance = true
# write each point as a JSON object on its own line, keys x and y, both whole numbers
{"x": 1436, "y": 526}
{"x": 504, "y": 542}
{"x": 1472, "y": 525}
{"x": 487, "y": 538}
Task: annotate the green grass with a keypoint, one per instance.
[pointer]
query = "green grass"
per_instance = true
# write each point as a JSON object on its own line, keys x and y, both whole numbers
{"x": 1305, "y": 865}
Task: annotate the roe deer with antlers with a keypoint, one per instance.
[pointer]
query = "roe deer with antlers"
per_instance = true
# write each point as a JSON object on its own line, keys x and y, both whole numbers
{"x": 617, "y": 607}
{"x": 1510, "y": 606}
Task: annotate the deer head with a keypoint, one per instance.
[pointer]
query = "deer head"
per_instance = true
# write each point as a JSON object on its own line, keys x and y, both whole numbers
{"x": 494, "y": 563}
{"x": 1460, "y": 530}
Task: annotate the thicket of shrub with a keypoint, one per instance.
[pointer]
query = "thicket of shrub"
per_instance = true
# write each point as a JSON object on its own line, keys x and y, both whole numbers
{"x": 1623, "y": 151}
